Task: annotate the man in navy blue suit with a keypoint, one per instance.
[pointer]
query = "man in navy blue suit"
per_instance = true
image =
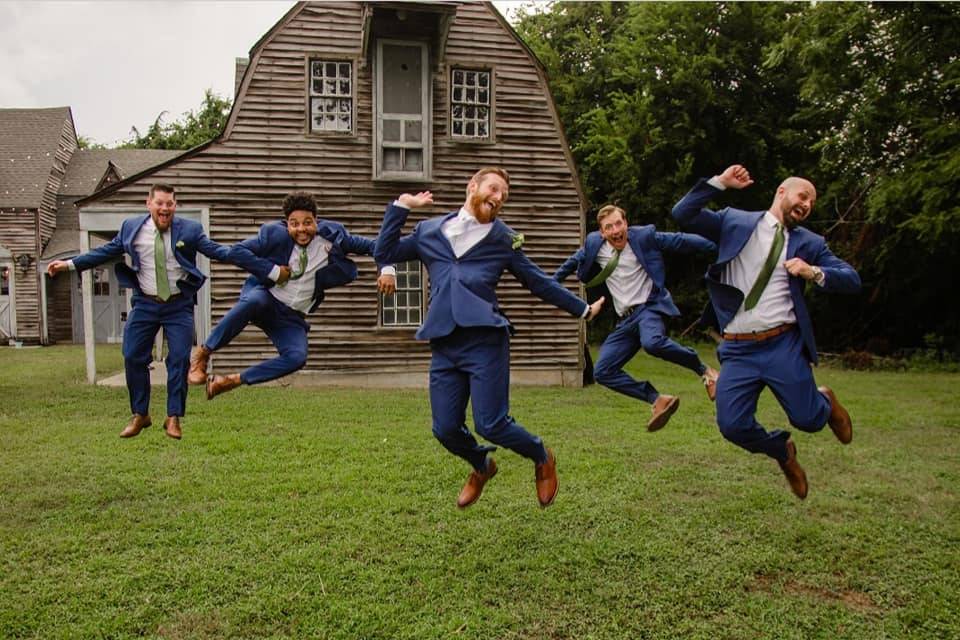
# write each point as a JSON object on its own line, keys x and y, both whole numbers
{"x": 466, "y": 253}
{"x": 629, "y": 262}
{"x": 293, "y": 262}
{"x": 164, "y": 278}
{"x": 756, "y": 291}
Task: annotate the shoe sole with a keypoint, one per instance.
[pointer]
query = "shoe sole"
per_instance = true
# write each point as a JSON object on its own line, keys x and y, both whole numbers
{"x": 134, "y": 435}
{"x": 661, "y": 420}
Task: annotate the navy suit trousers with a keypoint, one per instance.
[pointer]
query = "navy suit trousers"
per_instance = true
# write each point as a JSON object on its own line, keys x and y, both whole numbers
{"x": 473, "y": 363}
{"x": 779, "y": 363}
{"x": 285, "y": 328}
{"x": 642, "y": 329}
{"x": 144, "y": 321}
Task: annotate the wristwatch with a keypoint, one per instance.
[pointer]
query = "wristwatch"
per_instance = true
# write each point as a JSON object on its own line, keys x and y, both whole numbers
{"x": 818, "y": 276}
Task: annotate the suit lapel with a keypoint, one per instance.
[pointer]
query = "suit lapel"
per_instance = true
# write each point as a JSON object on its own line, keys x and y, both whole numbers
{"x": 742, "y": 228}
{"x": 633, "y": 238}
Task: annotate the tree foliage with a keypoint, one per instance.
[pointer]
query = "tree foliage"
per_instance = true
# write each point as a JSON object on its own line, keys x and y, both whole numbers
{"x": 192, "y": 129}
{"x": 861, "y": 98}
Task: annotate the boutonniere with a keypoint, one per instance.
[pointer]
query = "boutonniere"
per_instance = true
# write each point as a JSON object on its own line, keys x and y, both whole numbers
{"x": 180, "y": 244}
{"x": 517, "y": 241}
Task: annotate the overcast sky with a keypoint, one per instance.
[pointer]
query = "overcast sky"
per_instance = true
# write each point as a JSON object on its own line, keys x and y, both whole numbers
{"x": 118, "y": 64}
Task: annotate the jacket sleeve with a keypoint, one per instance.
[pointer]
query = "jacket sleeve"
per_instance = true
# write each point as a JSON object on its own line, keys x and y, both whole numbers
{"x": 839, "y": 277}
{"x": 104, "y": 253}
{"x": 683, "y": 242}
{"x": 390, "y": 247}
{"x": 359, "y": 245}
{"x": 544, "y": 287}
{"x": 691, "y": 214}
{"x": 211, "y": 249}
{"x": 248, "y": 255}
{"x": 570, "y": 265}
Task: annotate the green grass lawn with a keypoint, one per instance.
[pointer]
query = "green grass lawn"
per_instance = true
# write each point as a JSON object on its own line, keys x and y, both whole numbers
{"x": 329, "y": 513}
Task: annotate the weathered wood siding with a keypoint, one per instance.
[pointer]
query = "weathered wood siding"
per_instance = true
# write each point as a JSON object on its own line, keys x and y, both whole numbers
{"x": 18, "y": 233}
{"x": 266, "y": 153}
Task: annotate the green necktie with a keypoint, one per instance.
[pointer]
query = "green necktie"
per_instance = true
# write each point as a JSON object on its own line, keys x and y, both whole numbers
{"x": 607, "y": 270}
{"x": 303, "y": 264}
{"x": 761, "y": 283}
{"x": 160, "y": 263}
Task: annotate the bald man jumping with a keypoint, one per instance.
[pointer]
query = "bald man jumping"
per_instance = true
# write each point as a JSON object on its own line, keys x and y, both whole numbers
{"x": 756, "y": 303}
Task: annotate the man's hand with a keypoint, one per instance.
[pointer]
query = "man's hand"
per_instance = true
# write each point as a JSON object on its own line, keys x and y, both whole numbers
{"x": 595, "y": 308}
{"x": 410, "y": 201}
{"x": 799, "y": 267}
{"x": 285, "y": 274}
{"x": 735, "y": 176}
{"x": 56, "y": 267}
{"x": 386, "y": 284}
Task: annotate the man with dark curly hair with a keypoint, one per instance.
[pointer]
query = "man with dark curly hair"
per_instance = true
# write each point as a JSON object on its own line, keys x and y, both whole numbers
{"x": 293, "y": 262}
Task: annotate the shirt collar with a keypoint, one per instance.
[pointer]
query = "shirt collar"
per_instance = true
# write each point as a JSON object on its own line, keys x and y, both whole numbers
{"x": 463, "y": 214}
{"x": 772, "y": 221}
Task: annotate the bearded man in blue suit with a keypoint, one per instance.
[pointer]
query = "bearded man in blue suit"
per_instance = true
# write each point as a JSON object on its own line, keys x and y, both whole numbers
{"x": 293, "y": 262}
{"x": 164, "y": 278}
{"x": 466, "y": 253}
{"x": 628, "y": 261}
{"x": 756, "y": 291}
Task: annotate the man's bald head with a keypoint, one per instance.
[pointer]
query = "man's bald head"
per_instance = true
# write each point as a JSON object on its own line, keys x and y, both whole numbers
{"x": 794, "y": 201}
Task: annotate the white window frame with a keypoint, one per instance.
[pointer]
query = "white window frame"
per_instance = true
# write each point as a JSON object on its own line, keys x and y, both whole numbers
{"x": 425, "y": 118}
{"x": 489, "y": 105}
{"x": 389, "y": 302}
{"x": 313, "y": 96}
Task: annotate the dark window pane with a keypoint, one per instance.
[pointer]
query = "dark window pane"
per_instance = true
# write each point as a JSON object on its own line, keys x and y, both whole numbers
{"x": 469, "y": 129}
{"x": 413, "y": 160}
{"x": 457, "y": 76}
{"x": 458, "y": 127}
{"x": 391, "y": 159}
{"x": 411, "y": 131}
{"x": 484, "y": 79}
{"x": 391, "y": 130}
{"x": 344, "y": 69}
{"x": 331, "y": 70}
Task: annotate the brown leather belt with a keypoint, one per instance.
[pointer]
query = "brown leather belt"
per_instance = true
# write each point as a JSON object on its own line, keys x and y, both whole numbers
{"x": 760, "y": 335}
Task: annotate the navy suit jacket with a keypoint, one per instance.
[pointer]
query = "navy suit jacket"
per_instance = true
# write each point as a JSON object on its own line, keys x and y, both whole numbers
{"x": 730, "y": 229}
{"x": 187, "y": 238}
{"x": 272, "y": 246}
{"x": 463, "y": 290}
{"x": 648, "y": 245}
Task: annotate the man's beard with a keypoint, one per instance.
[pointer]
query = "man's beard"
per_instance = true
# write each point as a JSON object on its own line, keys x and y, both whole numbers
{"x": 478, "y": 206}
{"x": 790, "y": 221}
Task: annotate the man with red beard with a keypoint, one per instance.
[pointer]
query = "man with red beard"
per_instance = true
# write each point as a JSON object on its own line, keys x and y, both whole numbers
{"x": 756, "y": 292}
{"x": 466, "y": 253}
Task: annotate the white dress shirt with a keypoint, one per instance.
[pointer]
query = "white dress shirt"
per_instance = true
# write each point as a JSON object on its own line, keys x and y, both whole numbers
{"x": 775, "y": 306}
{"x": 143, "y": 244}
{"x": 629, "y": 283}
{"x": 464, "y": 231}
{"x": 298, "y": 294}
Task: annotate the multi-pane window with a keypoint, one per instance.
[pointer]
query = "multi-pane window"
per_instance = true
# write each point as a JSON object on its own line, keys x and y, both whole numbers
{"x": 331, "y": 96}
{"x": 403, "y": 110}
{"x": 470, "y": 103}
{"x": 405, "y": 307}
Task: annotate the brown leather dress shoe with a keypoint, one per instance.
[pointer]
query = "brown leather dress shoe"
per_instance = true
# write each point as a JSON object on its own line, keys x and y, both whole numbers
{"x": 221, "y": 384}
{"x": 839, "y": 419}
{"x": 710, "y": 377}
{"x": 474, "y": 487}
{"x": 137, "y": 424}
{"x": 172, "y": 426}
{"x": 547, "y": 482}
{"x": 198, "y": 365}
{"x": 664, "y": 407}
{"x": 794, "y": 472}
